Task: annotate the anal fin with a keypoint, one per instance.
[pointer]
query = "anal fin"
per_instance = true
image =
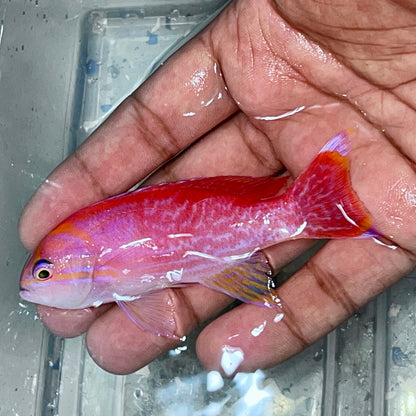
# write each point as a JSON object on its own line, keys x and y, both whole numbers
{"x": 248, "y": 280}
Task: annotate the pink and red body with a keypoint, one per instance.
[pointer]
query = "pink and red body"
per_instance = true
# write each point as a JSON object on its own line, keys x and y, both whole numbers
{"x": 208, "y": 231}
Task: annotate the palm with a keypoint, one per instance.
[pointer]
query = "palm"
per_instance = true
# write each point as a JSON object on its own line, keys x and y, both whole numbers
{"x": 266, "y": 87}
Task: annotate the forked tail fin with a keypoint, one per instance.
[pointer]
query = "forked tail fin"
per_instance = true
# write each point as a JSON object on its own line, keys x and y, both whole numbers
{"x": 326, "y": 199}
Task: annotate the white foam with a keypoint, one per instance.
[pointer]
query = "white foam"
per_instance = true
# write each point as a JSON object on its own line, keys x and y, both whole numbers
{"x": 214, "y": 381}
{"x": 231, "y": 359}
{"x": 177, "y": 351}
{"x": 254, "y": 396}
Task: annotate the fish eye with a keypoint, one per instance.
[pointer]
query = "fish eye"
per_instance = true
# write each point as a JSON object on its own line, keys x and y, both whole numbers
{"x": 42, "y": 270}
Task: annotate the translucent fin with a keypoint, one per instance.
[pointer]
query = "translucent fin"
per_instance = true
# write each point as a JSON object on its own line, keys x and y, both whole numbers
{"x": 248, "y": 280}
{"x": 339, "y": 143}
{"x": 153, "y": 312}
{"x": 327, "y": 202}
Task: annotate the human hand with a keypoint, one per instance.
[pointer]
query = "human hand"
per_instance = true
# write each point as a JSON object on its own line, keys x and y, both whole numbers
{"x": 263, "y": 88}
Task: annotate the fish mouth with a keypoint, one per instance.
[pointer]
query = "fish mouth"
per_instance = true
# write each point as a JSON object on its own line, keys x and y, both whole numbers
{"x": 25, "y": 294}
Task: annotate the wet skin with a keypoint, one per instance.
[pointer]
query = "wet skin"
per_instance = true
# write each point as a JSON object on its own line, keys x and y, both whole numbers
{"x": 327, "y": 67}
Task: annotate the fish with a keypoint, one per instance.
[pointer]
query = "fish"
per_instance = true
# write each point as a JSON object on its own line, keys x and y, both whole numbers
{"x": 211, "y": 231}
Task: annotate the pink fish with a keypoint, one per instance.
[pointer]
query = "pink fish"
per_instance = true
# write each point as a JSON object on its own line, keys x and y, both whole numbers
{"x": 126, "y": 249}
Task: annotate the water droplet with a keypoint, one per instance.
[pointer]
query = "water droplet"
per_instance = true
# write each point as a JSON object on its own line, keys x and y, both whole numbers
{"x": 258, "y": 330}
{"x": 278, "y": 317}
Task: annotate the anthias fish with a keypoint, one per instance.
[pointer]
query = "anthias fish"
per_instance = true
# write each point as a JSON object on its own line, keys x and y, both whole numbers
{"x": 126, "y": 249}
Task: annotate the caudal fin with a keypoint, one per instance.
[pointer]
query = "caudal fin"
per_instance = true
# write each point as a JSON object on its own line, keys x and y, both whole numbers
{"x": 326, "y": 199}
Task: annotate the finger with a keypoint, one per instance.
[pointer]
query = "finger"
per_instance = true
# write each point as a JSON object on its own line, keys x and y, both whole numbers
{"x": 247, "y": 146}
{"x": 312, "y": 303}
{"x": 390, "y": 202}
{"x": 343, "y": 276}
{"x": 69, "y": 323}
{"x": 381, "y": 88}
{"x": 237, "y": 147}
{"x": 128, "y": 348}
{"x": 184, "y": 99}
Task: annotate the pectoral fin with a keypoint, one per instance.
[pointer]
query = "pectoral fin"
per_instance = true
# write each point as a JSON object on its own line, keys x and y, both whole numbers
{"x": 152, "y": 312}
{"x": 248, "y": 280}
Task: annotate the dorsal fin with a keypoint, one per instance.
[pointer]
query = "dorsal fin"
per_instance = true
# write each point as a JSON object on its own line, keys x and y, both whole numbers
{"x": 247, "y": 188}
{"x": 263, "y": 187}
